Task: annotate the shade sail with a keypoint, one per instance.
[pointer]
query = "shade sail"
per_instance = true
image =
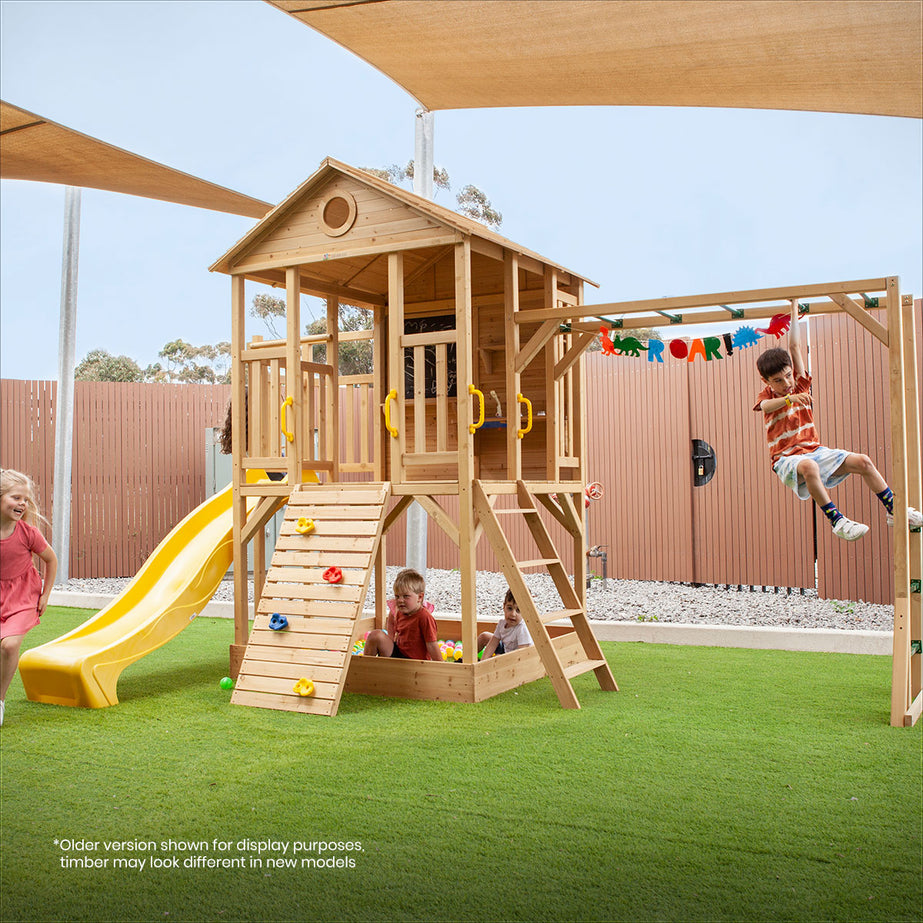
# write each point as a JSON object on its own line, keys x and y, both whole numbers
{"x": 859, "y": 56}
{"x": 34, "y": 148}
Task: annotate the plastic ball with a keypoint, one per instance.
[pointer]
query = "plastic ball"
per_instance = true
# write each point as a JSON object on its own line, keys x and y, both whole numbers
{"x": 458, "y": 653}
{"x": 226, "y": 682}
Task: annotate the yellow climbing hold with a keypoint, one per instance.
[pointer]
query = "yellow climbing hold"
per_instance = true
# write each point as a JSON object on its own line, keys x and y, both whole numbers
{"x": 304, "y": 687}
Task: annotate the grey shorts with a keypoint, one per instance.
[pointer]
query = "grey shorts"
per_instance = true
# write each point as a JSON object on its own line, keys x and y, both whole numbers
{"x": 828, "y": 460}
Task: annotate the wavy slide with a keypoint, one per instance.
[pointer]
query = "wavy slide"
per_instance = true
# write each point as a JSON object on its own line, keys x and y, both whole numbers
{"x": 173, "y": 586}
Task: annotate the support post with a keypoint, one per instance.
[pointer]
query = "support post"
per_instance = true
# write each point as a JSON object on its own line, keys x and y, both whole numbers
{"x": 466, "y": 516}
{"x": 900, "y": 667}
{"x": 64, "y": 406}
{"x": 294, "y": 388}
{"x": 238, "y": 478}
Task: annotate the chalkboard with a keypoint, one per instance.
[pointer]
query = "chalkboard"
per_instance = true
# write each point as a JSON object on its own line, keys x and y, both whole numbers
{"x": 427, "y": 325}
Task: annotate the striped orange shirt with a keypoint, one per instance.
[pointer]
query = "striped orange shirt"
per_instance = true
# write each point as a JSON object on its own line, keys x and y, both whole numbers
{"x": 789, "y": 430}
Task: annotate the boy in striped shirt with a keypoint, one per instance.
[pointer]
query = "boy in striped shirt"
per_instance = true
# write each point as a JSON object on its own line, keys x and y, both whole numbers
{"x": 796, "y": 455}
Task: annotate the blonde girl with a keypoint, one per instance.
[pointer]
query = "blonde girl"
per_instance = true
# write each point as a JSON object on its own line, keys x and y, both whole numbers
{"x": 23, "y": 593}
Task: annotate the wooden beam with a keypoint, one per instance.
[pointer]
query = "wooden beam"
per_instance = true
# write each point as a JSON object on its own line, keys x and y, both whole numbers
{"x": 465, "y": 376}
{"x": 396, "y": 444}
{"x": 513, "y": 378}
{"x": 702, "y": 301}
{"x": 441, "y": 517}
{"x": 238, "y": 448}
{"x": 858, "y": 313}
{"x": 535, "y": 344}
{"x": 384, "y": 245}
{"x": 397, "y": 511}
{"x": 900, "y": 661}
{"x": 580, "y": 345}
{"x": 428, "y": 264}
{"x": 260, "y": 515}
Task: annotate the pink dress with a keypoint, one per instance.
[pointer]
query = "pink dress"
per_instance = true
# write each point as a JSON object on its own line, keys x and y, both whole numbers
{"x": 20, "y": 582}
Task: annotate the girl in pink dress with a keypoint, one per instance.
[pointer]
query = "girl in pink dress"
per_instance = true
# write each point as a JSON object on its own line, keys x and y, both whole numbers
{"x": 23, "y": 593}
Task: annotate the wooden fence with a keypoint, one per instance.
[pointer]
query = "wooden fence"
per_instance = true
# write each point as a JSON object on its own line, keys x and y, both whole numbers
{"x": 139, "y": 467}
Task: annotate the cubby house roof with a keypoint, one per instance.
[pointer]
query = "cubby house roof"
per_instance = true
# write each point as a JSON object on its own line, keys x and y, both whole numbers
{"x": 338, "y": 258}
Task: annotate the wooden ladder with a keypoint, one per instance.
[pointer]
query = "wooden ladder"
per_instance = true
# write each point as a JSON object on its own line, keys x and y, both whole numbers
{"x": 536, "y": 621}
{"x": 322, "y": 617}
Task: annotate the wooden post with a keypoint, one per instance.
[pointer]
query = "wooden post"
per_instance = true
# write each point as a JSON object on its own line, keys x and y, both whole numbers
{"x": 333, "y": 392}
{"x": 578, "y": 411}
{"x": 914, "y": 499}
{"x": 397, "y": 444}
{"x": 900, "y": 669}
{"x": 379, "y": 437}
{"x": 513, "y": 378}
{"x": 552, "y": 411}
{"x": 466, "y": 526}
{"x": 293, "y": 417}
{"x": 238, "y": 444}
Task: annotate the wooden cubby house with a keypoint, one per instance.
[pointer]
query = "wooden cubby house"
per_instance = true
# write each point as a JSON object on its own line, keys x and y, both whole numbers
{"x": 447, "y": 296}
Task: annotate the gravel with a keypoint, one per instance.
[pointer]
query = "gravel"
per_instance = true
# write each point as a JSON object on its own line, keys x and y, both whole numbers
{"x": 627, "y": 601}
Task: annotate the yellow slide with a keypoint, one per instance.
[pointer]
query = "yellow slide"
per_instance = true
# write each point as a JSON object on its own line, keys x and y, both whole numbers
{"x": 171, "y": 589}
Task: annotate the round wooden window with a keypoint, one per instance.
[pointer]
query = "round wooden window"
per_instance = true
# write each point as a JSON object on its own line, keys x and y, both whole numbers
{"x": 337, "y": 213}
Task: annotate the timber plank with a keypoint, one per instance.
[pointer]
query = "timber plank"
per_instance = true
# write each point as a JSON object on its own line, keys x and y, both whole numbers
{"x": 322, "y": 617}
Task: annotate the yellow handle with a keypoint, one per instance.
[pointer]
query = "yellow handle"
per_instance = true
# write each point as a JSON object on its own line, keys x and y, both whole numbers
{"x": 524, "y": 400}
{"x": 474, "y": 427}
{"x": 288, "y": 402}
{"x": 392, "y": 395}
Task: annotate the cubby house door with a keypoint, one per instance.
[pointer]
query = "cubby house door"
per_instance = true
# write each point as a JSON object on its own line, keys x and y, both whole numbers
{"x": 423, "y": 405}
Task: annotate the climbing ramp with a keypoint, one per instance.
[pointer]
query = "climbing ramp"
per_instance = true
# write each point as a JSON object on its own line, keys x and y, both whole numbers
{"x": 325, "y": 527}
{"x": 536, "y": 621}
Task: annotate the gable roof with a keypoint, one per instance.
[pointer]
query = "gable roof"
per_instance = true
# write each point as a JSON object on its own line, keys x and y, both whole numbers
{"x": 443, "y": 216}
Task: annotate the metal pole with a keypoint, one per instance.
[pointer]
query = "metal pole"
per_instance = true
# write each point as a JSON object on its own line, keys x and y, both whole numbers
{"x": 64, "y": 405}
{"x": 422, "y": 186}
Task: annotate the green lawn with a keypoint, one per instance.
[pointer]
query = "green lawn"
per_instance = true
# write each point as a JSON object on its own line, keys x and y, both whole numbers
{"x": 718, "y": 784}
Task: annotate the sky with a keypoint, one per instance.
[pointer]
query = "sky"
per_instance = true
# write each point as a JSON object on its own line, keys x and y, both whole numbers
{"x": 647, "y": 202}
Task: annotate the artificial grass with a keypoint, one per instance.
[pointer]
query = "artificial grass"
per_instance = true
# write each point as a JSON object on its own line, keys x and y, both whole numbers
{"x": 718, "y": 784}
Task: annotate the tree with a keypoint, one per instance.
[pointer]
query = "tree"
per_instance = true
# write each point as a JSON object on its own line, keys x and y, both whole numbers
{"x": 471, "y": 201}
{"x": 356, "y": 357}
{"x": 266, "y": 308}
{"x": 101, "y": 365}
{"x": 208, "y": 365}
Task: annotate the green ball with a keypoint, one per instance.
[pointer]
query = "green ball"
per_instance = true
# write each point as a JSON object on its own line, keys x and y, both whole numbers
{"x": 226, "y": 682}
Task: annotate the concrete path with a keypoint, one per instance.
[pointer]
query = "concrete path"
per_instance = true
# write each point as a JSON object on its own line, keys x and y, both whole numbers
{"x": 825, "y": 640}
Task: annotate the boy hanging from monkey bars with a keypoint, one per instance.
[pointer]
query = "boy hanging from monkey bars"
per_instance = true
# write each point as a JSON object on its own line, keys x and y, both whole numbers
{"x": 796, "y": 455}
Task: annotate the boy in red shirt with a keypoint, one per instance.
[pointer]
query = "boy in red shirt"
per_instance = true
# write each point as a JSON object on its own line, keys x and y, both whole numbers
{"x": 411, "y": 628}
{"x": 796, "y": 455}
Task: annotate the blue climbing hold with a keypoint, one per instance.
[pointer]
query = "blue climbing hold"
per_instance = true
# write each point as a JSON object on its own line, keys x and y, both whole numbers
{"x": 278, "y": 622}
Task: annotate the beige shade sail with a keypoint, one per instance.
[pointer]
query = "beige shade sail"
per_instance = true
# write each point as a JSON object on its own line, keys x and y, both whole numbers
{"x": 858, "y": 56}
{"x": 34, "y": 148}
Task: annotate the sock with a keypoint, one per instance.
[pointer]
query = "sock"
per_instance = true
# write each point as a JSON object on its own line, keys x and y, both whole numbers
{"x": 832, "y": 513}
{"x": 887, "y": 499}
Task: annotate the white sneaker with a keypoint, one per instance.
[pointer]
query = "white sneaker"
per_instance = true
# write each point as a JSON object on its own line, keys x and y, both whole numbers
{"x": 914, "y": 518}
{"x": 2, "y": 709}
{"x": 849, "y": 530}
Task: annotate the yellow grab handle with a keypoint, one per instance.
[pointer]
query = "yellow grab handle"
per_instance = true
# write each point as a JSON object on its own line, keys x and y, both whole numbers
{"x": 288, "y": 402}
{"x": 521, "y": 399}
{"x": 392, "y": 395}
{"x": 474, "y": 427}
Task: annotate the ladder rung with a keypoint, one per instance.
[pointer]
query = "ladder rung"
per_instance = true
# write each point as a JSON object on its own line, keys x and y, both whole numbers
{"x": 560, "y": 614}
{"x": 538, "y": 562}
{"x": 578, "y": 669}
{"x": 524, "y": 510}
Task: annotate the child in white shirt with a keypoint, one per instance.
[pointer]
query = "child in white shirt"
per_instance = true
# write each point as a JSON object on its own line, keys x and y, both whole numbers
{"x": 510, "y": 634}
